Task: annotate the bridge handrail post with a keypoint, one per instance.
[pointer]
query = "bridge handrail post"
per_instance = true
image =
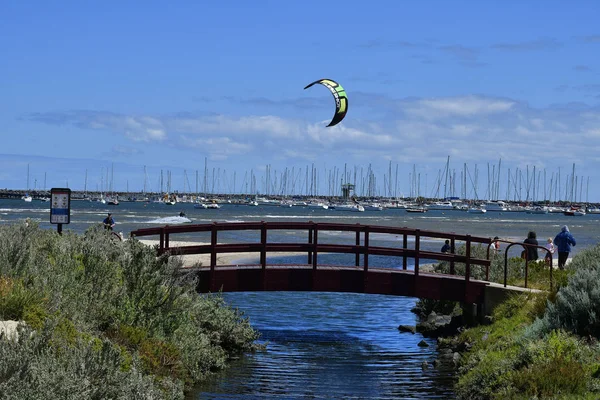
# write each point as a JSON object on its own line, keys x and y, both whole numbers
{"x": 357, "y": 242}
{"x": 417, "y": 249}
{"x": 315, "y": 243}
{"x": 167, "y": 238}
{"x": 161, "y": 246}
{"x": 404, "y": 246}
{"x": 213, "y": 247}
{"x": 468, "y": 259}
{"x": 213, "y": 255}
{"x": 487, "y": 267}
{"x": 263, "y": 245}
{"x": 310, "y": 241}
{"x": 452, "y": 248}
{"x": 366, "y": 253}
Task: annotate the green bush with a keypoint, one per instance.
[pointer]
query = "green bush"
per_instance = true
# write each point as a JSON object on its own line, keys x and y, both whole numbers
{"x": 108, "y": 305}
{"x": 18, "y": 302}
{"x": 542, "y": 346}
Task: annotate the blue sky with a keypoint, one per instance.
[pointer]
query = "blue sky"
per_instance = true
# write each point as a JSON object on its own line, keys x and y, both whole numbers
{"x": 116, "y": 86}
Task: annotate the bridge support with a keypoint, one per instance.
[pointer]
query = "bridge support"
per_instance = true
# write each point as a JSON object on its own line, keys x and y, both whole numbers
{"x": 473, "y": 313}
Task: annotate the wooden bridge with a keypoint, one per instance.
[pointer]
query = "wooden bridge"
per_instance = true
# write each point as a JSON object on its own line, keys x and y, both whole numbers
{"x": 313, "y": 276}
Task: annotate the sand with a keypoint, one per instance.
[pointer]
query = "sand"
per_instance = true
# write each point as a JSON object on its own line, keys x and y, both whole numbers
{"x": 191, "y": 260}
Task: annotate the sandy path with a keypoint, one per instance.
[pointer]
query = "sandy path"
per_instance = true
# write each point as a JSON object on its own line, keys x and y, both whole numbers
{"x": 191, "y": 260}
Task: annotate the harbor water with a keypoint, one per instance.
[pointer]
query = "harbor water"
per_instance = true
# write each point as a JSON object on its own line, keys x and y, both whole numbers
{"x": 322, "y": 345}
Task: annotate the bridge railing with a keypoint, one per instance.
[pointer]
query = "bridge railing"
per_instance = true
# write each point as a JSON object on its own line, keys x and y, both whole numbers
{"x": 313, "y": 246}
{"x": 525, "y": 246}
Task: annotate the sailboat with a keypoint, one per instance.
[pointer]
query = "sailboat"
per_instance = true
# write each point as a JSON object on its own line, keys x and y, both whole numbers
{"x": 27, "y": 197}
{"x": 113, "y": 199}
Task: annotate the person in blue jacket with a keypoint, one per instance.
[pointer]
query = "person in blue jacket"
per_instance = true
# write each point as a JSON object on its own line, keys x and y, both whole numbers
{"x": 563, "y": 242}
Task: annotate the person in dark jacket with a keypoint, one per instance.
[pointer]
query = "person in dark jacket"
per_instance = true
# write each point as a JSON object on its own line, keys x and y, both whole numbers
{"x": 563, "y": 242}
{"x": 109, "y": 222}
{"x": 532, "y": 251}
{"x": 446, "y": 247}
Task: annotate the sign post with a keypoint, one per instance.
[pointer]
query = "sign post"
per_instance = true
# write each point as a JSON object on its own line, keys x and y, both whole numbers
{"x": 60, "y": 208}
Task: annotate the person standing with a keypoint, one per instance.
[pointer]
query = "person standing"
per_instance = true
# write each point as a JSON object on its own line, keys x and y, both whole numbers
{"x": 563, "y": 242}
{"x": 109, "y": 222}
{"x": 496, "y": 244}
{"x": 531, "y": 251}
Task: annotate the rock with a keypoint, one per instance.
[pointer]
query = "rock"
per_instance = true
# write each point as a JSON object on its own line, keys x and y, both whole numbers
{"x": 436, "y": 363}
{"x": 423, "y": 343}
{"x": 407, "y": 328}
{"x": 8, "y": 329}
{"x": 424, "y": 365}
{"x": 440, "y": 325}
{"x": 456, "y": 358}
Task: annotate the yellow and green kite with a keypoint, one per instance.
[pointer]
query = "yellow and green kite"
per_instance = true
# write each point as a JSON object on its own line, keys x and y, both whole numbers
{"x": 339, "y": 94}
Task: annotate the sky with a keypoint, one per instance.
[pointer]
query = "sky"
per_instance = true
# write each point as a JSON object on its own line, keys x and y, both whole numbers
{"x": 106, "y": 95}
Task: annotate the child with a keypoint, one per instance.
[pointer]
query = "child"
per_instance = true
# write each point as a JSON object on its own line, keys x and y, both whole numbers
{"x": 550, "y": 248}
{"x": 496, "y": 244}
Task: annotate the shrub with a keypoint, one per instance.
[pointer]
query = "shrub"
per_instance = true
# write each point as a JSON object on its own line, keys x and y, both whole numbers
{"x": 577, "y": 305}
{"x": 34, "y": 369}
{"x": 17, "y": 302}
{"x": 100, "y": 305}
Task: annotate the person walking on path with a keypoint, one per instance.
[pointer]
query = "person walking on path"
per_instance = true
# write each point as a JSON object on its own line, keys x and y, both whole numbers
{"x": 563, "y": 242}
{"x": 531, "y": 251}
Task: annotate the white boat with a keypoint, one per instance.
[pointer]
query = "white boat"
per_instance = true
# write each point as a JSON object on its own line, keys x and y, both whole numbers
{"x": 441, "y": 205}
{"x": 349, "y": 207}
{"x": 574, "y": 213}
{"x": 27, "y": 198}
{"x": 477, "y": 210}
{"x": 537, "y": 210}
{"x": 416, "y": 210}
{"x": 497, "y": 205}
{"x": 266, "y": 202}
{"x": 318, "y": 205}
{"x": 593, "y": 210}
{"x": 373, "y": 207}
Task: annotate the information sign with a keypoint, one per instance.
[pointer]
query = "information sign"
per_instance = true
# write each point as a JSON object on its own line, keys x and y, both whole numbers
{"x": 60, "y": 206}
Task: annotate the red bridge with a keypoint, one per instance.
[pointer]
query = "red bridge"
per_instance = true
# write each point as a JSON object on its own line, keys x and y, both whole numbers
{"x": 312, "y": 276}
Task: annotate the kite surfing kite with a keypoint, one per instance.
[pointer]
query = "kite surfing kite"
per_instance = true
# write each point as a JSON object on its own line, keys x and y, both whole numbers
{"x": 339, "y": 94}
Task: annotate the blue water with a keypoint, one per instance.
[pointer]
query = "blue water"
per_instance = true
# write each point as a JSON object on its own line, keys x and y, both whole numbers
{"x": 322, "y": 345}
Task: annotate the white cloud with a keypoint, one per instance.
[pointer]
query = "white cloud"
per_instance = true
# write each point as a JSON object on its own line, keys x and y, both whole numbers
{"x": 466, "y": 106}
{"x": 469, "y": 128}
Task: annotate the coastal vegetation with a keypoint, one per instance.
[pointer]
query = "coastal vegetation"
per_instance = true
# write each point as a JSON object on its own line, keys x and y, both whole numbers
{"x": 105, "y": 319}
{"x": 536, "y": 345}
